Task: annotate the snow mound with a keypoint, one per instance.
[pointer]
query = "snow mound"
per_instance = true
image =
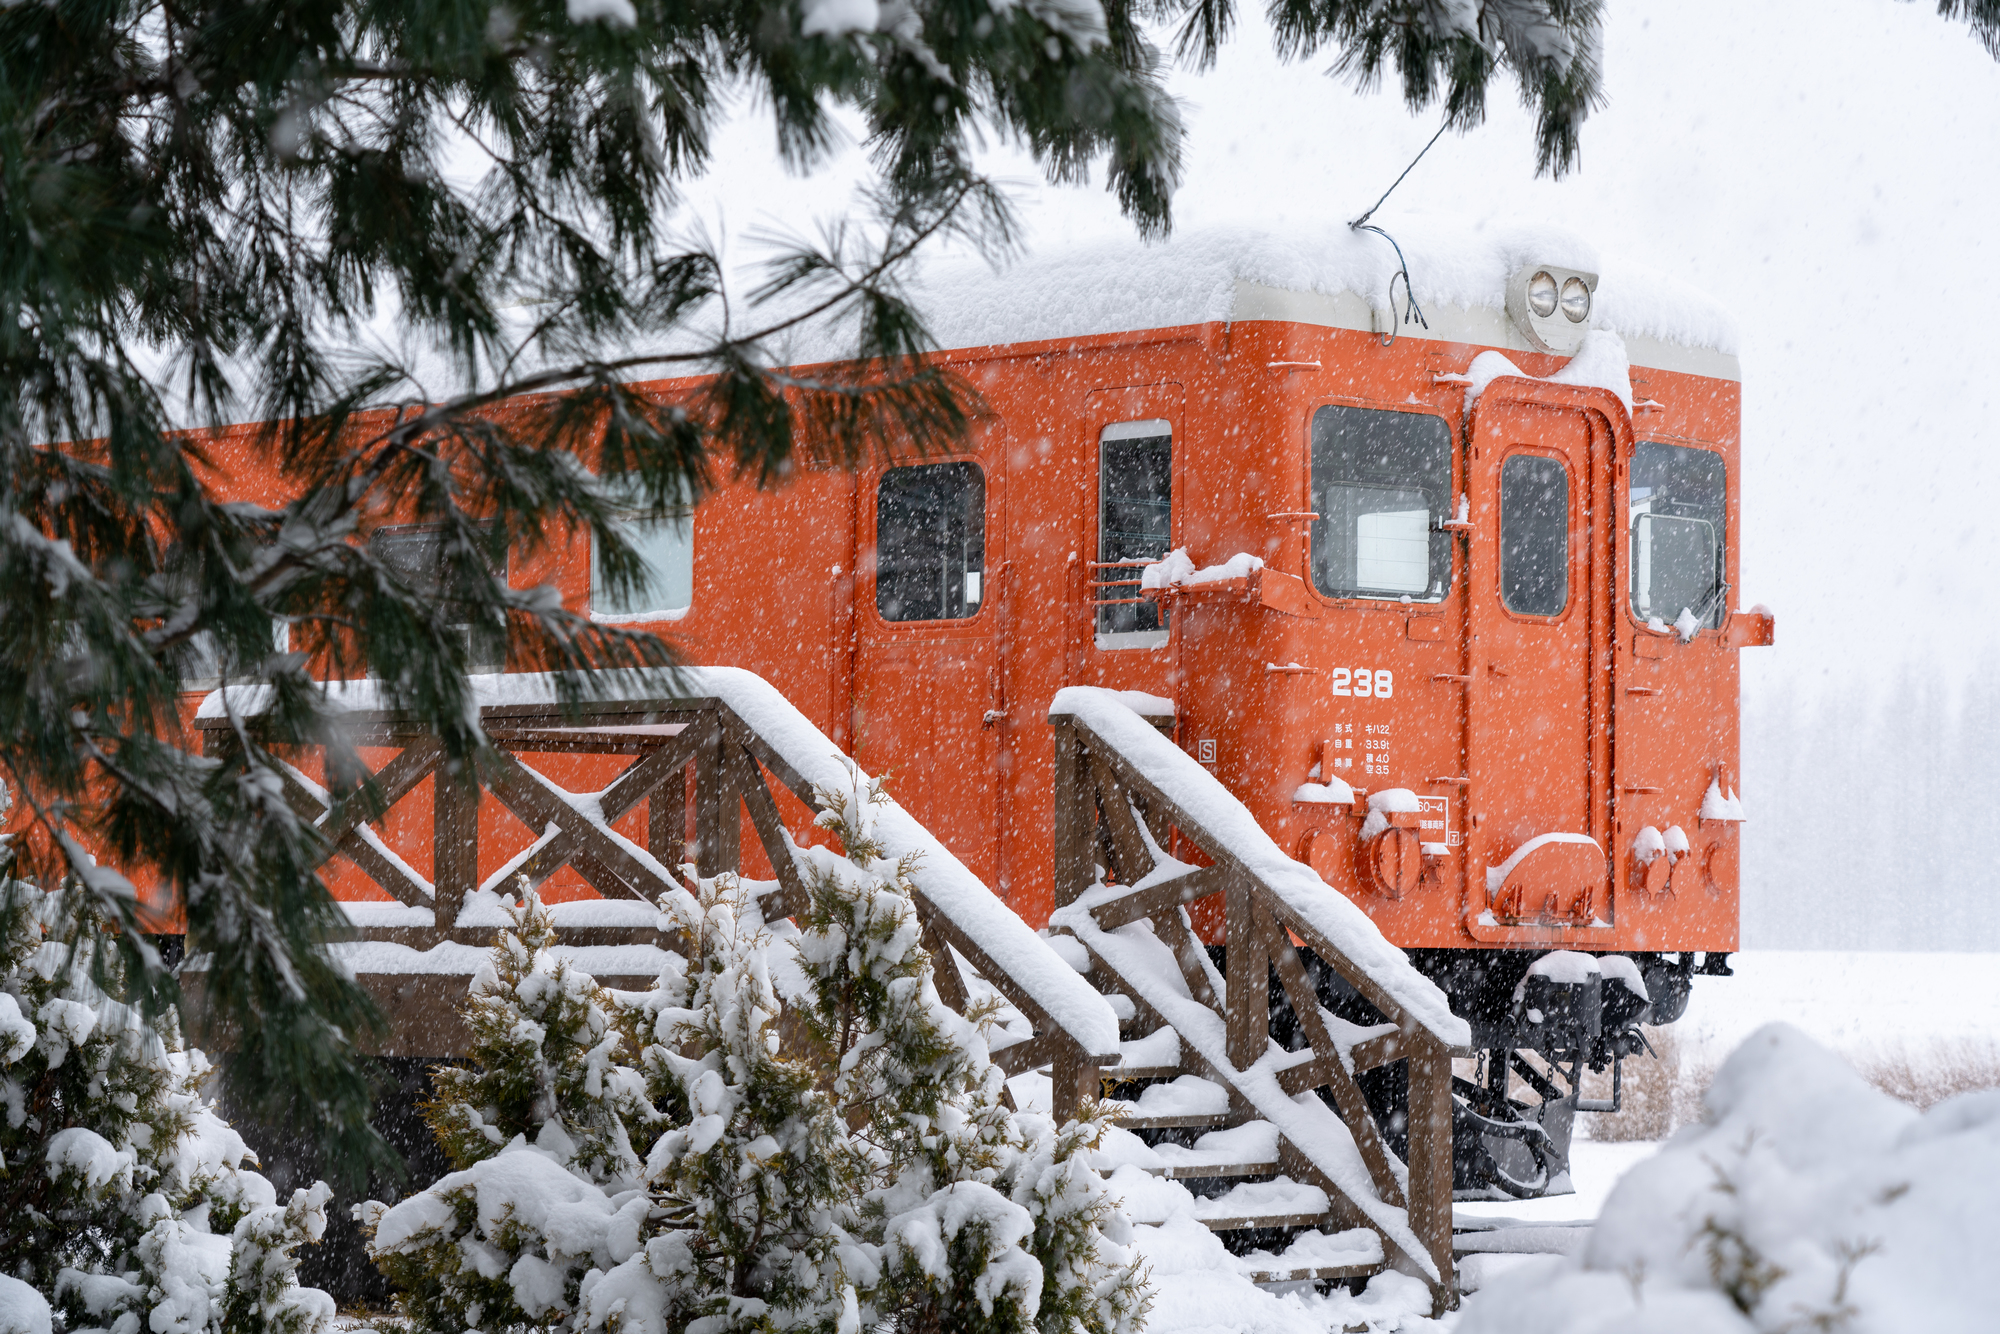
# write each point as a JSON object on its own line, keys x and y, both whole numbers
{"x": 22, "y": 1309}
{"x": 1177, "y": 570}
{"x": 1805, "y": 1200}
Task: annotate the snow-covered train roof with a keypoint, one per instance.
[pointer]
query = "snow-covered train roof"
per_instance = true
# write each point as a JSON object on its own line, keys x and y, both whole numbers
{"x": 1329, "y": 276}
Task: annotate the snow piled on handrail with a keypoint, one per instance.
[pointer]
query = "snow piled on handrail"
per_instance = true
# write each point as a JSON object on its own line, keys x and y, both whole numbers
{"x": 952, "y": 889}
{"x": 945, "y": 881}
{"x": 1177, "y": 569}
{"x": 1197, "y": 791}
{"x": 488, "y": 691}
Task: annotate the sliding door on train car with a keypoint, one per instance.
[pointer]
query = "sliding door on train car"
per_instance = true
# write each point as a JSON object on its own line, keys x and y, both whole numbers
{"x": 930, "y": 611}
{"x": 1538, "y": 713}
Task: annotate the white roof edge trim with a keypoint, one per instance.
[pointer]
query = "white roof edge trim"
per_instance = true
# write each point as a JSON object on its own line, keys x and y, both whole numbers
{"x": 1485, "y": 326}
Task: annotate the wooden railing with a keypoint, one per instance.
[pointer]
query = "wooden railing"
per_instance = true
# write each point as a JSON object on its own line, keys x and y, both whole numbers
{"x": 697, "y": 745}
{"x": 1115, "y": 806}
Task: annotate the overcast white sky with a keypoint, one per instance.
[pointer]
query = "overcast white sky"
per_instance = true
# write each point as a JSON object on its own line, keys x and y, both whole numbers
{"x": 1829, "y": 169}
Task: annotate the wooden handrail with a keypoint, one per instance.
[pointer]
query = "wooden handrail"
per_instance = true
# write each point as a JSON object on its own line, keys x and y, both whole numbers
{"x": 1099, "y": 790}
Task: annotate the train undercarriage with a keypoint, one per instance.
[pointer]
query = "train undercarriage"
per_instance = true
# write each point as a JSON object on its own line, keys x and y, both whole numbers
{"x": 1540, "y": 1022}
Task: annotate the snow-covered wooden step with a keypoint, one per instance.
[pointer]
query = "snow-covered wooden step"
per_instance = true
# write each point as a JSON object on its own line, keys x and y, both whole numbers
{"x": 1249, "y": 1150}
{"x": 1135, "y": 960}
{"x": 1155, "y": 1056}
{"x": 1187, "y": 1102}
{"x": 1355, "y": 1253}
{"x": 1281, "y": 1202}
{"x": 1240, "y": 1151}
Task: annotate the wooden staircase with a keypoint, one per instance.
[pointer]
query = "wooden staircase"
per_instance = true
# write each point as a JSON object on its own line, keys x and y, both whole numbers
{"x": 1292, "y": 1147}
{"x": 703, "y": 764}
{"x": 1279, "y": 1149}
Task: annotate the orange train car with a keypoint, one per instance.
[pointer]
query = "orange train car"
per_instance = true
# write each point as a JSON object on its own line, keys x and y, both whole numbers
{"x": 1444, "y": 596}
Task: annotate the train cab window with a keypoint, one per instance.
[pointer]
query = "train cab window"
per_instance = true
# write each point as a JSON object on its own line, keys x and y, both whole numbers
{"x": 1381, "y": 485}
{"x": 1679, "y": 503}
{"x": 1534, "y": 535}
{"x": 663, "y": 537}
{"x": 1135, "y": 524}
{"x": 930, "y": 542}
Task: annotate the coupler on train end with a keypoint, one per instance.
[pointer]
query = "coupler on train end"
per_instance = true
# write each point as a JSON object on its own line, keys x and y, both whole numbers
{"x": 1572, "y": 1011}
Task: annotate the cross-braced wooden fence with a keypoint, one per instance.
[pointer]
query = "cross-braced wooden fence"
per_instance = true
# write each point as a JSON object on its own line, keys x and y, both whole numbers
{"x": 694, "y": 747}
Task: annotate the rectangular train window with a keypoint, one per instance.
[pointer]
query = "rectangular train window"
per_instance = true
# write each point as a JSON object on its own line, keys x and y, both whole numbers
{"x": 1534, "y": 535}
{"x": 416, "y": 551}
{"x": 930, "y": 542}
{"x": 1381, "y": 485}
{"x": 1679, "y": 502}
{"x": 1135, "y": 524}
{"x": 664, "y": 540}
{"x": 204, "y": 659}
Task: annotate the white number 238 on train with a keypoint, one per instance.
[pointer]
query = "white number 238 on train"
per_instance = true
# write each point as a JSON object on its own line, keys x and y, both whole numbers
{"x": 1363, "y": 683}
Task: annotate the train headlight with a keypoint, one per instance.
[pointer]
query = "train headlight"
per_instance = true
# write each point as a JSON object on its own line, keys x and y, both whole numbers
{"x": 1542, "y": 294}
{"x": 1551, "y": 306}
{"x": 1575, "y": 301}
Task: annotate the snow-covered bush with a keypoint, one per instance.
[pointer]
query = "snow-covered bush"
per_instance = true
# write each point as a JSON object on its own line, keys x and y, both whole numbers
{"x": 982, "y": 1217}
{"x": 825, "y": 1144}
{"x": 1805, "y": 1200}
{"x": 128, "y": 1203}
{"x": 538, "y": 1121}
{"x": 547, "y": 1044}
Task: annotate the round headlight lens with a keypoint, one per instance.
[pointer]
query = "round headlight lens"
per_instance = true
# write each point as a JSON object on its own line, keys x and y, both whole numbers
{"x": 1542, "y": 294}
{"x": 1576, "y": 301}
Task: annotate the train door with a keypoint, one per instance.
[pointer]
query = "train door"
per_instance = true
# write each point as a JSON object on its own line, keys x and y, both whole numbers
{"x": 928, "y": 675}
{"x": 1538, "y": 682}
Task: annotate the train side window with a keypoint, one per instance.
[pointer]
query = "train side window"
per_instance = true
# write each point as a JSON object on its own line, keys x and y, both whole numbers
{"x": 1679, "y": 502}
{"x": 1534, "y": 535}
{"x": 664, "y": 541}
{"x": 930, "y": 542}
{"x": 203, "y": 659}
{"x": 1135, "y": 524}
{"x": 416, "y": 552}
{"x": 1381, "y": 485}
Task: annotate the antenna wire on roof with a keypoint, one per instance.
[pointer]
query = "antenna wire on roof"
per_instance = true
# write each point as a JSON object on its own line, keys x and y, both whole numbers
{"x": 1356, "y": 224}
{"x": 1361, "y": 224}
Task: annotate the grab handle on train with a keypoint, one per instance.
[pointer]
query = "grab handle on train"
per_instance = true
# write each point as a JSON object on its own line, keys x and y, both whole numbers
{"x": 1755, "y": 628}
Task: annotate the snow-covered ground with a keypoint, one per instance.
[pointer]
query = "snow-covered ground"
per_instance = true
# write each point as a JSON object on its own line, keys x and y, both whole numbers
{"x": 1805, "y": 1200}
{"x": 1594, "y": 1168}
{"x": 1787, "y": 1112}
{"x": 1857, "y": 1002}
{"x": 1859, "y": 1005}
